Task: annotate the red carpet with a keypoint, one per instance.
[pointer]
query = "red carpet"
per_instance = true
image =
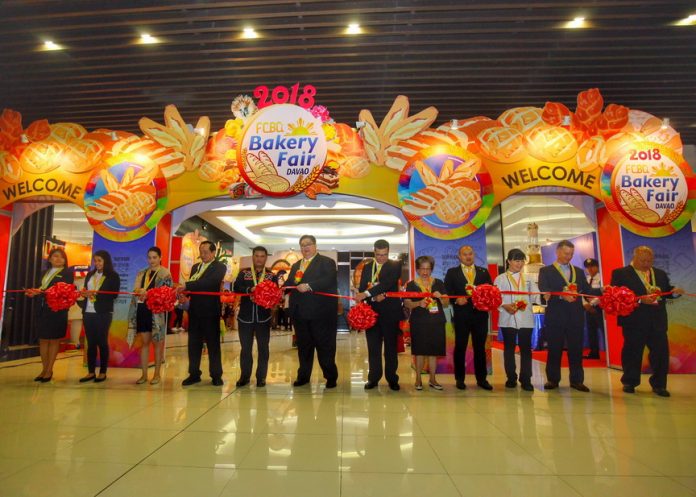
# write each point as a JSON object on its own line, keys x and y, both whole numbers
{"x": 540, "y": 355}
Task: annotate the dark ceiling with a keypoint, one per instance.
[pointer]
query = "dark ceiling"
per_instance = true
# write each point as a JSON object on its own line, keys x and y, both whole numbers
{"x": 466, "y": 58}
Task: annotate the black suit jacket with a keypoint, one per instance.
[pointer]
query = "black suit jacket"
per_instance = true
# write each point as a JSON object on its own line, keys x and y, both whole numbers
{"x": 644, "y": 314}
{"x": 559, "y": 310}
{"x": 210, "y": 281}
{"x": 65, "y": 275}
{"x": 249, "y": 312}
{"x": 387, "y": 281}
{"x": 455, "y": 283}
{"x": 104, "y": 302}
{"x": 322, "y": 276}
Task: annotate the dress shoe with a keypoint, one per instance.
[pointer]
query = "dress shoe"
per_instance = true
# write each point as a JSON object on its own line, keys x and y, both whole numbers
{"x": 330, "y": 383}
{"x": 580, "y": 387}
{"x": 662, "y": 392}
{"x": 511, "y": 384}
{"x": 550, "y": 385}
{"x": 299, "y": 383}
{"x": 242, "y": 382}
{"x": 370, "y": 385}
{"x": 436, "y": 386}
{"x": 461, "y": 385}
{"x": 191, "y": 380}
{"x": 260, "y": 383}
{"x": 485, "y": 385}
{"x": 217, "y": 382}
{"x": 39, "y": 378}
{"x": 89, "y": 377}
{"x": 394, "y": 386}
{"x": 100, "y": 379}
{"x": 46, "y": 380}
{"x": 629, "y": 389}
{"x": 591, "y": 356}
{"x": 527, "y": 387}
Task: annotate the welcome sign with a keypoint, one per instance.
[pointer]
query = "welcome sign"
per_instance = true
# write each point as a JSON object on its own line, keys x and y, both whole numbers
{"x": 282, "y": 150}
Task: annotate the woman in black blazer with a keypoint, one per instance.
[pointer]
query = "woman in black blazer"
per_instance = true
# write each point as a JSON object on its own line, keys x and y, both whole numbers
{"x": 52, "y": 325}
{"x": 98, "y": 309}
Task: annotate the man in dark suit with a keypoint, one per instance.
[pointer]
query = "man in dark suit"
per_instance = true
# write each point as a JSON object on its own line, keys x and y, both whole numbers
{"x": 253, "y": 320}
{"x": 594, "y": 318}
{"x": 468, "y": 320}
{"x": 378, "y": 277}
{"x": 204, "y": 315}
{"x": 564, "y": 320}
{"x": 647, "y": 324}
{"x": 314, "y": 316}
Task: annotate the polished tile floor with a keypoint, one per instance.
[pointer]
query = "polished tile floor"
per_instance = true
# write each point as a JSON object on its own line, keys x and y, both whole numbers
{"x": 120, "y": 439}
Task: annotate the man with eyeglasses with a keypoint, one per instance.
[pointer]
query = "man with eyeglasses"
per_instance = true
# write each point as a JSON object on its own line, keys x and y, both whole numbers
{"x": 314, "y": 316}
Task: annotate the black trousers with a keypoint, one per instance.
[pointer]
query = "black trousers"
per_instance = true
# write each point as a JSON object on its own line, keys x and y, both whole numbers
{"x": 179, "y": 319}
{"x": 384, "y": 332}
{"x": 204, "y": 329}
{"x": 524, "y": 338}
{"x": 595, "y": 327}
{"x": 557, "y": 335}
{"x": 478, "y": 330}
{"x": 635, "y": 340}
{"x": 247, "y": 331}
{"x": 319, "y": 334}
{"x": 97, "y": 332}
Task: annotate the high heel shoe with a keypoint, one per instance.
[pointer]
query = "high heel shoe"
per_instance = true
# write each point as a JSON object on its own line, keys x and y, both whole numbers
{"x": 436, "y": 386}
{"x": 46, "y": 380}
{"x": 39, "y": 378}
{"x": 419, "y": 386}
{"x": 89, "y": 377}
{"x": 141, "y": 380}
{"x": 155, "y": 380}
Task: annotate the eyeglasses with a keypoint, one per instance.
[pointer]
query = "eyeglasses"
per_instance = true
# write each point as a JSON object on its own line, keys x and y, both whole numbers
{"x": 303, "y": 245}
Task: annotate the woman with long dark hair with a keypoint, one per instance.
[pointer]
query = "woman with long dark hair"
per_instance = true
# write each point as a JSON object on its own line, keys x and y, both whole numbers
{"x": 98, "y": 309}
{"x": 52, "y": 325}
{"x": 152, "y": 328}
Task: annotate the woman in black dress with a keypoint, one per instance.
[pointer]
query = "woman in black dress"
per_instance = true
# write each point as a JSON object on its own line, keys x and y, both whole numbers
{"x": 98, "y": 310}
{"x": 152, "y": 328}
{"x": 52, "y": 325}
{"x": 427, "y": 320}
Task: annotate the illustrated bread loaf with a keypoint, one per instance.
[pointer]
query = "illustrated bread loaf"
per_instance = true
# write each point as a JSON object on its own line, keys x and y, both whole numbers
{"x": 502, "y": 144}
{"x": 522, "y": 118}
{"x": 551, "y": 143}
{"x": 41, "y": 157}
{"x": 592, "y": 153}
{"x": 62, "y": 132}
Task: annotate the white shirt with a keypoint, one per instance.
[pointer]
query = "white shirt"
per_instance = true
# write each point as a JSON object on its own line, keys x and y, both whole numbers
{"x": 520, "y": 319}
{"x": 594, "y": 282}
{"x": 92, "y": 285}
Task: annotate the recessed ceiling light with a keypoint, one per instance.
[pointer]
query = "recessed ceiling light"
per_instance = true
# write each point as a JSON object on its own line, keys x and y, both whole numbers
{"x": 49, "y": 45}
{"x": 687, "y": 21}
{"x": 353, "y": 29}
{"x": 249, "y": 33}
{"x": 148, "y": 39}
{"x": 576, "y": 23}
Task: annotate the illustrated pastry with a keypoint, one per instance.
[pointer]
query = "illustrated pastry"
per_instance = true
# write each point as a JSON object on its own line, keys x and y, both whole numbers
{"x": 41, "y": 157}
{"x": 263, "y": 173}
{"x": 80, "y": 155}
{"x": 521, "y": 118}
{"x": 129, "y": 201}
{"x": 10, "y": 170}
{"x": 635, "y": 206}
{"x": 592, "y": 153}
{"x": 212, "y": 170}
{"x": 62, "y": 132}
{"x": 354, "y": 167}
{"x": 502, "y": 144}
{"x": 404, "y": 151}
{"x": 551, "y": 143}
{"x": 169, "y": 161}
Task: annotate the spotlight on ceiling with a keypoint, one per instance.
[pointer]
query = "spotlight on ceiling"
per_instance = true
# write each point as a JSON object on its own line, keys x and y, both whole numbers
{"x": 687, "y": 21}
{"x": 50, "y": 45}
{"x": 249, "y": 33}
{"x": 148, "y": 39}
{"x": 353, "y": 29}
{"x": 576, "y": 23}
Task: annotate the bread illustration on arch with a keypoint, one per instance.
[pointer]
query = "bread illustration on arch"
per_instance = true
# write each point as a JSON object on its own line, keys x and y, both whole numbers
{"x": 262, "y": 172}
{"x": 635, "y": 206}
{"x": 396, "y": 126}
{"x": 451, "y": 196}
{"x": 128, "y": 201}
{"x": 176, "y": 134}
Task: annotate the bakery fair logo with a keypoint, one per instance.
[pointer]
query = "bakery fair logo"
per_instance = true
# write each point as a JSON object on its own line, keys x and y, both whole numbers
{"x": 649, "y": 187}
{"x": 282, "y": 150}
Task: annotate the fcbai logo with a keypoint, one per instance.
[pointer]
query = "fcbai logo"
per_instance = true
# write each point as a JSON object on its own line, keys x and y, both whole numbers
{"x": 282, "y": 150}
